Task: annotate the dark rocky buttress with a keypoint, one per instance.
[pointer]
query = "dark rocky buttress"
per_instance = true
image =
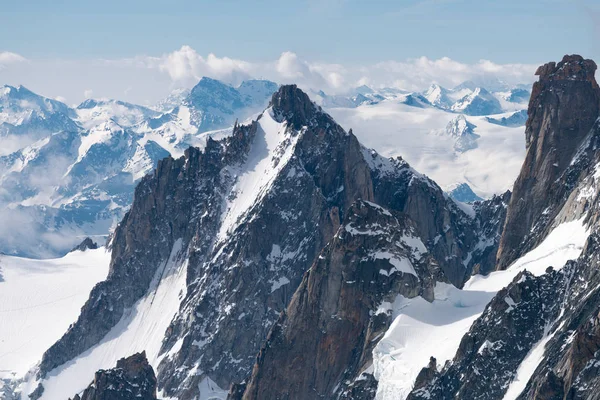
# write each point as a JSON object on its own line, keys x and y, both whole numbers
{"x": 132, "y": 379}
{"x": 563, "y": 109}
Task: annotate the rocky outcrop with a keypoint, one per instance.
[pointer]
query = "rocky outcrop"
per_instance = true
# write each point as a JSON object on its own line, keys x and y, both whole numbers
{"x": 563, "y": 109}
{"x": 87, "y": 244}
{"x": 325, "y": 338}
{"x": 555, "y": 321}
{"x": 132, "y": 379}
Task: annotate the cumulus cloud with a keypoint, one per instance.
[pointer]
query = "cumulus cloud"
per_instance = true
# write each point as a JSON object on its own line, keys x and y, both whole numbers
{"x": 146, "y": 79}
{"x": 186, "y": 66}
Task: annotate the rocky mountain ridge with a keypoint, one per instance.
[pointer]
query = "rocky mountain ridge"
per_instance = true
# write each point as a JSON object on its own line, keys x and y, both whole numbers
{"x": 295, "y": 252}
{"x": 311, "y": 173}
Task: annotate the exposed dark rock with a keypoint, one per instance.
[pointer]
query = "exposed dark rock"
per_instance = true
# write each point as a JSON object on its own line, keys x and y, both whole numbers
{"x": 490, "y": 216}
{"x": 564, "y": 106}
{"x": 132, "y": 379}
{"x": 87, "y": 243}
{"x": 326, "y": 336}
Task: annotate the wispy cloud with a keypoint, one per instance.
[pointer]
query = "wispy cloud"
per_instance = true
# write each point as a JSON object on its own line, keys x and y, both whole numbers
{"x": 7, "y": 58}
{"x": 146, "y": 79}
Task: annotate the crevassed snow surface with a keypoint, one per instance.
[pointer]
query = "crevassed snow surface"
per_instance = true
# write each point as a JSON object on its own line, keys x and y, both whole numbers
{"x": 269, "y": 153}
{"x": 141, "y": 328}
{"x": 421, "y": 329}
{"x": 39, "y": 299}
{"x": 418, "y": 135}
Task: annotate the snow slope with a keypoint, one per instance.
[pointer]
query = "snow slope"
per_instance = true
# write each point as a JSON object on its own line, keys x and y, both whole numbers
{"x": 142, "y": 328}
{"x": 39, "y": 299}
{"x": 271, "y": 151}
{"x": 421, "y": 329}
{"x": 418, "y": 135}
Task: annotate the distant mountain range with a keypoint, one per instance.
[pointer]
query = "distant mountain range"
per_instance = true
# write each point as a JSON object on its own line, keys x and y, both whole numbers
{"x": 70, "y": 172}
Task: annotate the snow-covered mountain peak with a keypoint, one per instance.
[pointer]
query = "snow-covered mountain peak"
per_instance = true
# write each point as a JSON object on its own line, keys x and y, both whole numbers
{"x": 255, "y": 91}
{"x": 464, "y": 133}
{"x": 92, "y": 112}
{"x": 438, "y": 96}
{"x": 459, "y": 126}
{"x": 478, "y": 102}
{"x": 364, "y": 89}
{"x": 19, "y": 103}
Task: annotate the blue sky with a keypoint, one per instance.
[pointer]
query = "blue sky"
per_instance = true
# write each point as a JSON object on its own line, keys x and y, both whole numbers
{"x": 140, "y": 51}
{"x": 331, "y": 30}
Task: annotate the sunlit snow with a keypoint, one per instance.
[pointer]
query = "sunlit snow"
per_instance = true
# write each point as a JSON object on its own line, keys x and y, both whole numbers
{"x": 39, "y": 299}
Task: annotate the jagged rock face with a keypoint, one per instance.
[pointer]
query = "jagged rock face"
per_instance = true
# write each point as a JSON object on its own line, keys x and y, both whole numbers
{"x": 326, "y": 336}
{"x": 498, "y": 341}
{"x": 490, "y": 216}
{"x": 569, "y": 369}
{"x": 249, "y": 277}
{"x": 132, "y": 379}
{"x": 449, "y": 234}
{"x": 142, "y": 243}
{"x": 562, "y": 111}
{"x": 248, "y": 216}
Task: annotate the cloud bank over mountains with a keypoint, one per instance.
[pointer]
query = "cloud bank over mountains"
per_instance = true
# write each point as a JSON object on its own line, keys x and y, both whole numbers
{"x": 146, "y": 79}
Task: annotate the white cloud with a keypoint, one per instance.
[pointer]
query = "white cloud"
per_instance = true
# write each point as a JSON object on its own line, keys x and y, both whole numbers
{"x": 185, "y": 66}
{"x": 146, "y": 79}
{"x": 7, "y": 57}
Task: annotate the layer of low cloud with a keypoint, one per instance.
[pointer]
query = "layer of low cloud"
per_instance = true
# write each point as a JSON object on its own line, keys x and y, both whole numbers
{"x": 147, "y": 79}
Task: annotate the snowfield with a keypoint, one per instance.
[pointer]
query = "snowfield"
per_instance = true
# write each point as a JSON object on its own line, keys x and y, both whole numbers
{"x": 141, "y": 328}
{"x": 421, "y": 329}
{"x": 39, "y": 299}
